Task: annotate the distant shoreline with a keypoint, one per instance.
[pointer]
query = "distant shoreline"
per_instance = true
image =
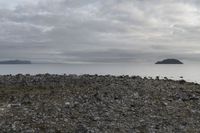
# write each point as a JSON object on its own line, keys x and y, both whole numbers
{"x": 14, "y": 62}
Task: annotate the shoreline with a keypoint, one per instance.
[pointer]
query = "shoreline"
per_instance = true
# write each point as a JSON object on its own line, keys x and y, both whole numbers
{"x": 97, "y": 103}
{"x": 165, "y": 78}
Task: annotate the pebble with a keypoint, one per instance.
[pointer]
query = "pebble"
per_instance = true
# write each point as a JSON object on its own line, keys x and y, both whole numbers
{"x": 92, "y": 103}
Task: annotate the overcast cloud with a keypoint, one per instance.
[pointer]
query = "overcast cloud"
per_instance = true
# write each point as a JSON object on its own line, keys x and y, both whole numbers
{"x": 99, "y": 30}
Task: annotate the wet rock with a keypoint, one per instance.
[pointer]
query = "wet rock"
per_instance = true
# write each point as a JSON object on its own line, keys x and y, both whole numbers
{"x": 182, "y": 81}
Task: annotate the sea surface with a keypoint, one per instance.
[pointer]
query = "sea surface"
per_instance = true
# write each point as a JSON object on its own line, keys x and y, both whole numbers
{"x": 189, "y": 72}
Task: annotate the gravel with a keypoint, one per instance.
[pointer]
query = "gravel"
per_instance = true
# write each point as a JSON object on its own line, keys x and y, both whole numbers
{"x": 95, "y": 103}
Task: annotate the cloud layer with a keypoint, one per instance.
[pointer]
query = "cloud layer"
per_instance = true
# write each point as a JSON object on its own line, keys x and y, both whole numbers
{"x": 99, "y": 31}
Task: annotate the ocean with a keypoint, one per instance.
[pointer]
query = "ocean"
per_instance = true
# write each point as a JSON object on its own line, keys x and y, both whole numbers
{"x": 189, "y": 72}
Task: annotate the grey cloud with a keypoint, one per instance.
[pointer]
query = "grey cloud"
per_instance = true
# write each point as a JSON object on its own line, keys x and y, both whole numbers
{"x": 100, "y": 31}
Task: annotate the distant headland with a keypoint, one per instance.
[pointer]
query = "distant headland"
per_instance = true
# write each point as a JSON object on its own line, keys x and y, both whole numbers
{"x": 15, "y": 62}
{"x": 169, "y": 61}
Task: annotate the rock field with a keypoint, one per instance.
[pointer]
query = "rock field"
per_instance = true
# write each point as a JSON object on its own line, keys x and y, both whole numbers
{"x": 97, "y": 104}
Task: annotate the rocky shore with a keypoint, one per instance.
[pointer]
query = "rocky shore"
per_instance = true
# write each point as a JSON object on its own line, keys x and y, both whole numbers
{"x": 93, "y": 104}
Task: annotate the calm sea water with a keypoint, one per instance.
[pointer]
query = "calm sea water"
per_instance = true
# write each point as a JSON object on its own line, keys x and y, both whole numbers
{"x": 189, "y": 72}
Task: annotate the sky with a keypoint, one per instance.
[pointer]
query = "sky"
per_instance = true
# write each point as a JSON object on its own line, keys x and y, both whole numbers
{"x": 99, "y": 31}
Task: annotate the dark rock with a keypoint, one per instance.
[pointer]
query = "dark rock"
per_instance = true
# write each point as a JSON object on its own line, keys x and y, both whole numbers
{"x": 81, "y": 129}
{"x": 182, "y": 81}
{"x": 169, "y": 61}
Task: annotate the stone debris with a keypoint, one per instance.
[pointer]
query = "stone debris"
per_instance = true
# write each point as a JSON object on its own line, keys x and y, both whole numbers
{"x": 92, "y": 104}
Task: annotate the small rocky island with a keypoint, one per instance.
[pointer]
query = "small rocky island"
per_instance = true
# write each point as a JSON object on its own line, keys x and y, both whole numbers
{"x": 15, "y": 62}
{"x": 169, "y": 61}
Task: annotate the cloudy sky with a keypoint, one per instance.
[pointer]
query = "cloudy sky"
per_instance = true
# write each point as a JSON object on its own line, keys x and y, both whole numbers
{"x": 82, "y": 31}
